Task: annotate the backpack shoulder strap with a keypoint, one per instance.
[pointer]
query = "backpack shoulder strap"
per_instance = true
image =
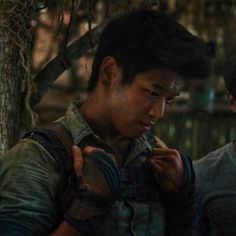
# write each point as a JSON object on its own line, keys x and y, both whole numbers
{"x": 57, "y": 140}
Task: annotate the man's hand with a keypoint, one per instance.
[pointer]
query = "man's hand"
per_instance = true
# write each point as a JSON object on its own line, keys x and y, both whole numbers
{"x": 97, "y": 179}
{"x": 78, "y": 160}
{"x": 79, "y": 155}
{"x": 90, "y": 175}
{"x": 167, "y": 166}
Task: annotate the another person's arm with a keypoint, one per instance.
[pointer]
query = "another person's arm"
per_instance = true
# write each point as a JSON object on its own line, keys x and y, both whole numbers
{"x": 200, "y": 226}
{"x": 65, "y": 229}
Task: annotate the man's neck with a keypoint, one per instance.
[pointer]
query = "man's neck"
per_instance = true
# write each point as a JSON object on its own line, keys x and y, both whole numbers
{"x": 94, "y": 116}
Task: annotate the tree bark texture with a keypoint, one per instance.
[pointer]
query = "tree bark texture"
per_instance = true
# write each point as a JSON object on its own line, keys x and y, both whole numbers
{"x": 10, "y": 95}
{"x": 14, "y": 58}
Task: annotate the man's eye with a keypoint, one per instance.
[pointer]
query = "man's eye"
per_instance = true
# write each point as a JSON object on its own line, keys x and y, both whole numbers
{"x": 154, "y": 94}
{"x": 169, "y": 100}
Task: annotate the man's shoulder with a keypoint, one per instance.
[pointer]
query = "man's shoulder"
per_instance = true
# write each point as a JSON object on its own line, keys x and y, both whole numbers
{"x": 28, "y": 151}
{"x": 212, "y": 167}
{"x": 213, "y": 157}
{"x": 25, "y": 146}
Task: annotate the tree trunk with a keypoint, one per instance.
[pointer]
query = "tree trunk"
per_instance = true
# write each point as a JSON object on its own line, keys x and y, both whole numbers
{"x": 10, "y": 95}
{"x": 14, "y": 60}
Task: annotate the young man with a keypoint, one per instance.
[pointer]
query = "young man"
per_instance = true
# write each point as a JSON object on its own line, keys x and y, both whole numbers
{"x": 216, "y": 176}
{"x": 126, "y": 183}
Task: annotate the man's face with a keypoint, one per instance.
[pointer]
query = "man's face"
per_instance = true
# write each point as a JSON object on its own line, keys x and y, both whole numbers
{"x": 135, "y": 108}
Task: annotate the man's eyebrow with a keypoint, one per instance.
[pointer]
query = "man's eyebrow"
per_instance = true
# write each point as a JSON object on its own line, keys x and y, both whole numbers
{"x": 162, "y": 88}
{"x": 159, "y": 87}
{"x": 173, "y": 96}
{"x": 176, "y": 94}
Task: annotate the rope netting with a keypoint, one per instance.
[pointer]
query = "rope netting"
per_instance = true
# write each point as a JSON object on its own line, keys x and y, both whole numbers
{"x": 15, "y": 21}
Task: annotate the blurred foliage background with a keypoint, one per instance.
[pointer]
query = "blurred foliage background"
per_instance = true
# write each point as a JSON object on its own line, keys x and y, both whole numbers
{"x": 198, "y": 121}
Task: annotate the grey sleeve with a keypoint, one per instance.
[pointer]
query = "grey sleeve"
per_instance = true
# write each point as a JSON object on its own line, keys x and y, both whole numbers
{"x": 200, "y": 226}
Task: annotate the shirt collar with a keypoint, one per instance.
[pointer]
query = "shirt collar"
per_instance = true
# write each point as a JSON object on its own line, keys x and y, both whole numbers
{"x": 75, "y": 123}
{"x": 79, "y": 129}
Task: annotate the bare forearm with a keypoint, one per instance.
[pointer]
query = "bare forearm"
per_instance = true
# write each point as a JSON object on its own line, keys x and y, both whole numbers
{"x": 64, "y": 229}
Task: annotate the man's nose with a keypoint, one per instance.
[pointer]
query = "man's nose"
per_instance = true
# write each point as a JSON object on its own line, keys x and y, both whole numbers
{"x": 157, "y": 109}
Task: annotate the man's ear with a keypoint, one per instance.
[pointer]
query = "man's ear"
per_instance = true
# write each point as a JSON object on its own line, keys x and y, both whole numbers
{"x": 231, "y": 103}
{"x": 109, "y": 71}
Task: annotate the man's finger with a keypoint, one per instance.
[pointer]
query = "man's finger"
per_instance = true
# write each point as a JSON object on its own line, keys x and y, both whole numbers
{"x": 89, "y": 149}
{"x": 164, "y": 151}
{"x": 158, "y": 145}
{"x": 78, "y": 160}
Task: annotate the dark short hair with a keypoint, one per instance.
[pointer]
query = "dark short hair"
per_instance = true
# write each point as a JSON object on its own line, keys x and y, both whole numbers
{"x": 146, "y": 39}
{"x": 230, "y": 73}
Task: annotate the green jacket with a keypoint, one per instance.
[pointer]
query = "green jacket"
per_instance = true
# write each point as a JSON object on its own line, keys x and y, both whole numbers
{"x": 29, "y": 183}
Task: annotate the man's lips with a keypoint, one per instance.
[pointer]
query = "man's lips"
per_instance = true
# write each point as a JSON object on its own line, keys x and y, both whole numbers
{"x": 149, "y": 124}
{"x": 152, "y": 123}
